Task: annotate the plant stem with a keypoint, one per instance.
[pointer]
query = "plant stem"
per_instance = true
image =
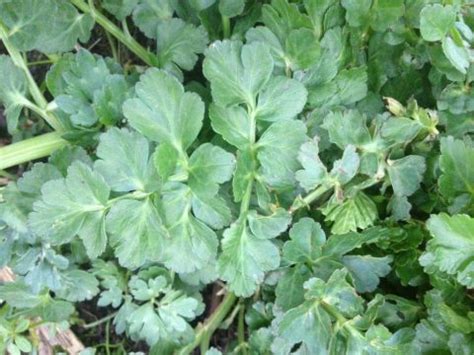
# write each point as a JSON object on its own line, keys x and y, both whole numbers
{"x": 107, "y": 337}
{"x": 35, "y": 91}
{"x": 141, "y": 52}
{"x": 211, "y": 324}
{"x": 308, "y": 199}
{"x": 30, "y": 149}
{"x": 40, "y": 62}
{"x": 100, "y": 321}
{"x": 226, "y": 26}
{"x": 241, "y": 330}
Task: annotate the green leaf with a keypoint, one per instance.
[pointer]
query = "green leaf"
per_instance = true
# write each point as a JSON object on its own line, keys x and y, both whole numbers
{"x": 209, "y": 166}
{"x": 189, "y": 244}
{"x": 165, "y": 160}
{"x": 314, "y": 173}
{"x": 357, "y": 212}
{"x": 73, "y": 206}
{"x": 435, "y": 21}
{"x": 231, "y": 8}
{"x": 124, "y": 161}
{"x": 289, "y": 291}
{"x": 170, "y": 115}
{"x": 452, "y": 248}
{"x": 165, "y": 321}
{"x": 281, "y": 99}
{"x": 64, "y": 157}
{"x": 357, "y": 11}
{"x": 311, "y": 322}
{"x": 136, "y": 232}
{"x": 456, "y": 163}
{"x": 212, "y": 210}
{"x": 79, "y": 286}
{"x": 108, "y": 100}
{"x": 277, "y": 151}
{"x": 267, "y": 227}
{"x": 245, "y": 258}
{"x": 306, "y": 241}
{"x": 232, "y": 123}
{"x": 406, "y": 174}
{"x": 457, "y": 56}
{"x": 18, "y": 295}
{"x": 302, "y": 49}
{"x": 119, "y": 8}
{"x": 244, "y": 173}
{"x": 82, "y": 77}
{"x": 149, "y": 13}
{"x": 347, "y": 167}
{"x": 237, "y": 72}
{"x": 55, "y": 27}
{"x": 367, "y": 270}
{"x": 13, "y": 89}
{"x": 179, "y": 42}
{"x": 346, "y": 128}
{"x": 266, "y": 36}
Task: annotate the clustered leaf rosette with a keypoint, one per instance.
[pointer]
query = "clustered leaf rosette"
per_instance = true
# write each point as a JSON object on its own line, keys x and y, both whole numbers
{"x": 312, "y": 158}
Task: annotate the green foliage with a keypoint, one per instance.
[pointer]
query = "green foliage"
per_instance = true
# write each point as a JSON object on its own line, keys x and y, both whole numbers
{"x": 311, "y": 160}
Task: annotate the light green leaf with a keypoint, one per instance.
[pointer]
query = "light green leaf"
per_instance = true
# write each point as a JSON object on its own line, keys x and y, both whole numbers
{"x": 209, "y": 166}
{"x": 245, "y": 259}
{"x": 348, "y": 127}
{"x": 289, "y": 291}
{"x": 63, "y": 158}
{"x": 302, "y": 49}
{"x": 136, "y": 232}
{"x": 457, "y": 167}
{"x": 314, "y": 173}
{"x": 163, "y": 112}
{"x": 232, "y": 123}
{"x": 189, "y": 244}
{"x": 458, "y": 56}
{"x": 119, "y": 8}
{"x": 244, "y": 173}
{"x": 406, "y": 174}
{"x": 367, "y": 270}
{"x": 213, "y": 211}
{"x": 357, "y": 11}
{"x": 13, "y": 89}
{"x": 108, "y": 100}
{"x": 49, "y": 26}
{"x": 358, "y": 212}
{"x": 311, "y": 322}
{"x": 165, "y": 159}
{"x": 82, "y": 77}
{"x": 281, "y": 99}
{"x": 306, "y": 241}
{"x": 124, "y": 161}
{"x": 341, "y": 244}
{"x": 264, "y": 35}
{"x": 277, "y": 151}
{"x": 231, "y": 8}
{"x": 179, "y": 42}
{"x": 146, "y": 323}
{"x": 73, "y": 206}
{"x": 78, "y": 286}
{"x": 149, "y": 13}
{"x": 271, "y": 226}
{"x": 346, "y": 168}
{"x": 237, "y": 72}
{"x": 435, "y": 21}
{"x": 452, "y": 248}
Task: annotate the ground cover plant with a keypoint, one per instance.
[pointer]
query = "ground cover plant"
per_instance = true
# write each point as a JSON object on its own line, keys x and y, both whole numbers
{"x": 238, "y": 177}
